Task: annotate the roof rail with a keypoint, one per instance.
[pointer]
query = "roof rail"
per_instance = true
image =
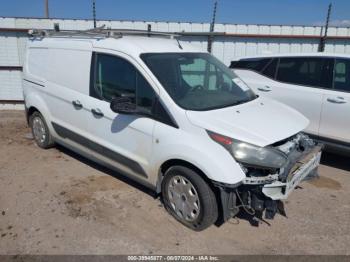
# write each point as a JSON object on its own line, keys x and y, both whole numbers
{"x": 99, "y": 32}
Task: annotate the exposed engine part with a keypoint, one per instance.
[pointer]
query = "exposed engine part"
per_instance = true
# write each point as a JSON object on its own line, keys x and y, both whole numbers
{"x": 295, "y": 148}
{"x": 299, "y": 142}
{"x": 256, "y": 204}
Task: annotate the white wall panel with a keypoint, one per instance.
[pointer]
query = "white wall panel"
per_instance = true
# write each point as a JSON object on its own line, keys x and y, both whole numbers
{"x": 218, "y": 28}
{"x": 264, "y": 30}
{"x": 140, "y": 25}
{"x": 162, "y": 27}
{"x": 197, "y": 27}
{"x": 310, "y": 30}
{"x": 242, "y": 29}
{"x": 11, "y": 85}
{"x": 9, "y": 55}
{"x": 275, "y": 30}
{"x": 31, "y": 23}
{"x": 21, "y": 45}
{"x": 253, "y": 29}
{"x": 174, "y": 27}
{"x": 218, "y": 49}
{"x": 7, "y": 22}
{"x": 342, "y": 31}
{"x": 298, "y": 30}
{"x": 231, "y": 28}
{"x": 332, "y": 31}
{"x": 186, "y": 27}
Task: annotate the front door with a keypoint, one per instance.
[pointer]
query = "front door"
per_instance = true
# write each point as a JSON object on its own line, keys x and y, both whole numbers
{"x": 124, "y": 141}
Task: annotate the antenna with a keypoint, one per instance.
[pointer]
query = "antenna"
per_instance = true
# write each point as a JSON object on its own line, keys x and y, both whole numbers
{"x": 212, "y": 26}
{"x": 94, "y": 12}
{"x": 323, "y": 39}
{"x": 47, "y": 15}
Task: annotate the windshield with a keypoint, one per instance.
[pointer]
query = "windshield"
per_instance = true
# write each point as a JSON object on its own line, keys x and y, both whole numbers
{"x": 198, "y": 81}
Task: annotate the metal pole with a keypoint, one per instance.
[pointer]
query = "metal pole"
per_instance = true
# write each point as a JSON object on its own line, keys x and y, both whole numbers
{"x": 47, "y": 15}
{"x": 212, "y": 27}
{"x": 323, "y": 39}
{"x": 94, "y": 12}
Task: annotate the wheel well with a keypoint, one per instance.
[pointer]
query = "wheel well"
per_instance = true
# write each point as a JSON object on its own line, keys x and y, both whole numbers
{"x": 30, "y": 111}
{"x": 178, "y": 162}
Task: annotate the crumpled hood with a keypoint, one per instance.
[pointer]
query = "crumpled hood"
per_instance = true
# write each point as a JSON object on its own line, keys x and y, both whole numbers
{"x": 259, "y": 122}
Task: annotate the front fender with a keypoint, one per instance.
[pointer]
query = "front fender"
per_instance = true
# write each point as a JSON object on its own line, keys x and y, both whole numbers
{"x": 211, "y": 158}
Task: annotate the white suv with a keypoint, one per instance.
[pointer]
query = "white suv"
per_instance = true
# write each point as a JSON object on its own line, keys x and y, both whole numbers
{"x": 171, "y": 117}
{"x": 317, "y": 85}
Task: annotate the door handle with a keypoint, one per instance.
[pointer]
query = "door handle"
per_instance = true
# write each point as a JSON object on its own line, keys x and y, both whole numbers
{"x": 97, "y": 112}
{"x": 338, "y": 100}
{"x": 264, "y": 89}
{"x": 77, "y": 104}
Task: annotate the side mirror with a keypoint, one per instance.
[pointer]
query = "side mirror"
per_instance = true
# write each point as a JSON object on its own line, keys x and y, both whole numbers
{"x": 123, "y": 105}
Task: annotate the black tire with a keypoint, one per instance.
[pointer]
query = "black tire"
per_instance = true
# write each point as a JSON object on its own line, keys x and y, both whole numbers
{"x": 208, "y": 212}
{"x": 48, "y": 141}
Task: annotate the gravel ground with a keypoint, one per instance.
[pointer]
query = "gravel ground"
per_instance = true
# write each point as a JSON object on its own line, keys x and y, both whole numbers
{"x": 55, "y": 202}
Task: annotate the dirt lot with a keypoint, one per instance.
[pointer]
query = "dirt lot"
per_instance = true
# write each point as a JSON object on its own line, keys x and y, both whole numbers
{"x": 55, "y": 202}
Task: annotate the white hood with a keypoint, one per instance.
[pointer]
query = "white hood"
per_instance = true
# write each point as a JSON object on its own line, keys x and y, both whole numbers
{"x": 260, "y": 122}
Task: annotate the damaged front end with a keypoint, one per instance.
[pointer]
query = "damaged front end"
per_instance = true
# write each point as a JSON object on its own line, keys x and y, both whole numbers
{"x": 271, "y": 175}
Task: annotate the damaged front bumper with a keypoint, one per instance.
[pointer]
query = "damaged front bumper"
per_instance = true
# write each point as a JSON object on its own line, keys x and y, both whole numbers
{"x": 278, "y": 190}
{"x": 262, "y": 190}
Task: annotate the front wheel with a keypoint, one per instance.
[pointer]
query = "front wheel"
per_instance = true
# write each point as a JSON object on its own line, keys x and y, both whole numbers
{"x": 188, "y": 198}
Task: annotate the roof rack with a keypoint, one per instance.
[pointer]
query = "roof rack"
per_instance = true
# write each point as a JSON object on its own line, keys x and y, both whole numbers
{"x": 99, "y": 32}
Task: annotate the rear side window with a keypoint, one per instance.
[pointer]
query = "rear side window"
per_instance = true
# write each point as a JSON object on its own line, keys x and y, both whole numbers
{"x": 305, "y": 71}
{"x": 342, "y": 75}
{"x": 256, "y": 64}
{"x": 115, "y": 76}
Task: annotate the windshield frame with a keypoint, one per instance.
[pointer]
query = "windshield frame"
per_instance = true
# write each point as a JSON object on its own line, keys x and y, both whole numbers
{"x": 252, "y": 96}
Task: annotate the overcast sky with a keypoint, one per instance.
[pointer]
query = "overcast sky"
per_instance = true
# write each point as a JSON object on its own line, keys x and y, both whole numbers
{"x": 299, "y": 12}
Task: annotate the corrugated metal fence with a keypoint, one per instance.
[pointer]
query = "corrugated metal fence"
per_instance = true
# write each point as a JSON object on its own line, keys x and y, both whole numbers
{"x": 232, "y": 41}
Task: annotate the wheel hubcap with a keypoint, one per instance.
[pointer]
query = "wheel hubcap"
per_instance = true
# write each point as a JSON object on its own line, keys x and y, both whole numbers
{"x": 39, "y": 130}
{"x": 183, "y": 198}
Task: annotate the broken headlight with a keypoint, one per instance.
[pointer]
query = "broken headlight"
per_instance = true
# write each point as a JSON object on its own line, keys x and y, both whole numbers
{"x": 251, "y": 155}
{"x": 258, "y": 156}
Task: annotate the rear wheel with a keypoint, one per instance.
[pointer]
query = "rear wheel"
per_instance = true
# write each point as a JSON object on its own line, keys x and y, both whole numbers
{"x": 188, "y": 198}
{"x": 40, "y": 131}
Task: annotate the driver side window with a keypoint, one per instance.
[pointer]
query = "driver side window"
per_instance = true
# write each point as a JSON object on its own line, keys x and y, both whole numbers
{"x": 115, "y": 76}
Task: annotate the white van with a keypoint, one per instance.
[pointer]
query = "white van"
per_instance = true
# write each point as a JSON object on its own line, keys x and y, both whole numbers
{"x": 315, "y": 84}
{"x": 169, "y": 116}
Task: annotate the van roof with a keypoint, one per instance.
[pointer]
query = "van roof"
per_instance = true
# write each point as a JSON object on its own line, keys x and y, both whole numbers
{"x": 132, "y": 45}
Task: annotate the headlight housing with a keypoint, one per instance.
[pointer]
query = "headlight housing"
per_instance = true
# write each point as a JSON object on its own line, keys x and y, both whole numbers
{"x": 251, "y": 155}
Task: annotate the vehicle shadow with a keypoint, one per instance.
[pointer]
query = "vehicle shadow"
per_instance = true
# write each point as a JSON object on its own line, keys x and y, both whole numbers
{"x": 336, "y": 161}
{"x": 106, "y": 170}
{"x": 242, "y": 215}
{"x": 329, "y": 159}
